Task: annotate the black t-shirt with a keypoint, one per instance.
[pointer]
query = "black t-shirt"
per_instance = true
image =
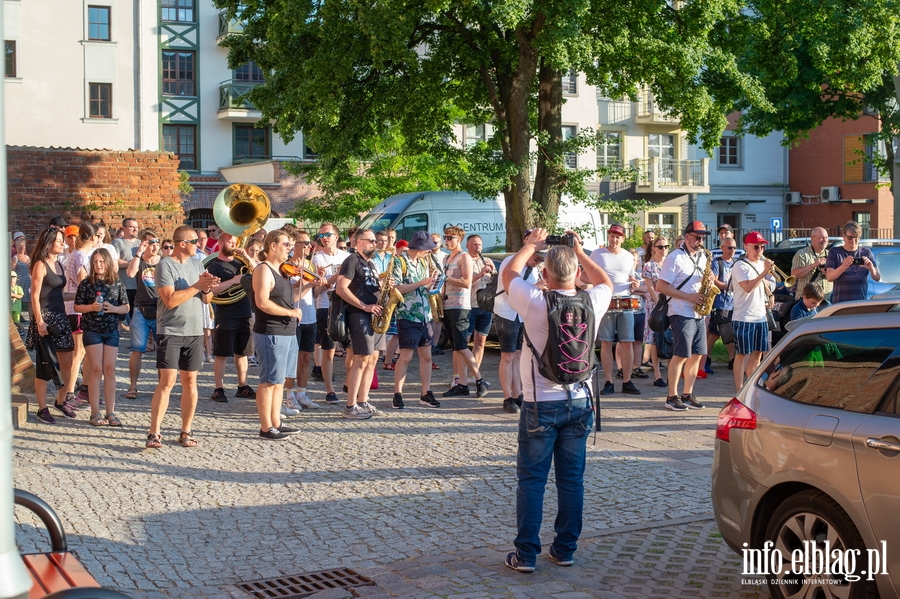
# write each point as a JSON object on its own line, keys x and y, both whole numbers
{"x": 86, "y": 294}
{"x": 228, "y": 270}
{"x": 145, "y": 279}
{"x": 363, "y": 279}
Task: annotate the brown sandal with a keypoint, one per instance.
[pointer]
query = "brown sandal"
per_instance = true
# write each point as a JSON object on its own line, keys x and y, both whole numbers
{"x": 131, "y": 393}
{"x": 154, "y": 441}
{"x": 186, "y": 440}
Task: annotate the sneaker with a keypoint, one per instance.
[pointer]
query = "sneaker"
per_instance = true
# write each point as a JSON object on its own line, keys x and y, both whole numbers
{"x": 701, "y": 374}
{"x": 273, "y": 434}
{"x": 436, "y": 351}
{"x": 245, "y": 391}
{"x": 457, "y": 390}
{"x": 288, "y": 411}
{"x": 638, "y": 373}
{"x": 481, "y": 388}
{"x": 513, "y": 561}
{"x": 305, "y": 402}
{"x": 647, "y": 364}
{"x": 608, "y": 388}
{"x": 565, "y": 562}
{"x": 520, "y": 399}
{"x": 355, "y": 413}
{"x": 286, "y": 430}
{"x": 367, "y": 407}
{"x": 317, "y": 373}
{"x": 209, "y": 360}
{"x": 455, "y": 382}
{"x": 252, "y": 361}
{"x": 619, "y": 373}
{"x": 331, "y": 398}
{"x": 707, "y": 369}
{"x": 510, "y": 406}
{"x": 673, "y": 403}
{"x": 660, "y": 383}
{"x": 290, "y": 400}
{"x": 630, "y": 389}
{"x": 82, "y": 399}
{"x": 691, "y": 402}
{"x": 731, "y": 364}
{"x": 66, "y": 407}
{"x": 429, "y": 401}
{"x": 219, "y": 395}
{"x": 44, "y": 416}
{"x": 397, "y": 402}
{"x": 80, "y": 404}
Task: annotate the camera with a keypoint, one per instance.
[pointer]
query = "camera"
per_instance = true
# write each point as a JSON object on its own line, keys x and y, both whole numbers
{"x": 567, "y": 240}
{"x": 859, "y": 261}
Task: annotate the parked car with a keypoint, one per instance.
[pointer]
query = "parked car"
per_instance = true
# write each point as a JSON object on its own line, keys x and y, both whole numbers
{"x": 804, "y": 455}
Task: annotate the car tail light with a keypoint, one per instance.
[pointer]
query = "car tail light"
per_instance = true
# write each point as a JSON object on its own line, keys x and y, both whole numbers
{"x": 734, "y": 415}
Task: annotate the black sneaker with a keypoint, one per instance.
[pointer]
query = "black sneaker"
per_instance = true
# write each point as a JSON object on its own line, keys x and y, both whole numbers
{"x": 673, "y": 403}
{"x": 273, "y": 434}
{"x": 481, "y": 388}
{"x": 510, "y": 406}
{"x": 619, "y": 373}
{"x": 286, "y": 430}
{"x": 731, "y": 364}
{"x": 66, "y": 408}
{"x": 436, "y": 351}
{"x": 245, "y": 391}
{"x": 660, "y": 383}
{"x": 513, "y": 561}
{"x": 630, "y": 389}
{"x": 429, "y": 400}
{"x": 608, "y": 388}
{"x": 565, "y": 562}
{"x": 691, "y": 402}
{"x": 520, "y": 399}
{"x": 398, "y": 404}
{"x": 317, "y": 373}
{"x": 346, "y": 389}
{"x": 457, "y": 390}
{"x": 219, "y": 395}
{"x": 331, "y": 398}
{"x": 44, "y": 416}
{"x": 638, "y": 373}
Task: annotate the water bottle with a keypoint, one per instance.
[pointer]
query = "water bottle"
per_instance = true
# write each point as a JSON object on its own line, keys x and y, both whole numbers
{"x": 100, "y": 300}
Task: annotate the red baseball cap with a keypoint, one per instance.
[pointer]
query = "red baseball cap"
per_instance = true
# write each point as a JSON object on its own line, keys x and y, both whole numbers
{"x": 616, "y": 230}
{"x": 402, "y": 244}
{"x": 697, "y": 228}
{"x": 754, "y": 237}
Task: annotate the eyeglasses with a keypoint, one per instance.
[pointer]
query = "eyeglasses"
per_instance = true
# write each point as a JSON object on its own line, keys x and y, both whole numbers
{"x": 321, "y": 235}
{"x": 662, "y": 247}
{"x": 168, "y": 247}
{"x": 449, "y": 237}
{"x": 729, "y": 247}
{"x": 190, "y": 241}
{"x": 304, "y": 243}
{"x": 851, "y": 236}
{"x": 153, "y": 241}
{"x": 369, "y": 240}
{"x": 758, "y": 247}
{"x": 287, "y": 244}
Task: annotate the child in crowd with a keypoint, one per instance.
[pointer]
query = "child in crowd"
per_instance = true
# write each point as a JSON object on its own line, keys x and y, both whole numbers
{"x": 15, "y": 297}
{"x": 100, "y": 298}
{"x": 809, "y": 302}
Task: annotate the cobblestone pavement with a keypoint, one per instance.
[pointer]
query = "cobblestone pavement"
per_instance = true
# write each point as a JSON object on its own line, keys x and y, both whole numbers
{"x": 420, "y": 500}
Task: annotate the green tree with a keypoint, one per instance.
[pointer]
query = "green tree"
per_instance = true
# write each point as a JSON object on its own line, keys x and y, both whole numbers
{"x": 346, "y": 72}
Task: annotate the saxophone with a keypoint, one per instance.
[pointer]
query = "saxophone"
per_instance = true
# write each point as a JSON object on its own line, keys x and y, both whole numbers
{"x": 707, "y": 288}
{"x": 389, "y": 299}
{"x": 436, "y": 300}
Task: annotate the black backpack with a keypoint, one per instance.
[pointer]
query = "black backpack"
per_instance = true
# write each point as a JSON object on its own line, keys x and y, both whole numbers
{"x": 568, "y": 358}
{"x": 485, "y": 297}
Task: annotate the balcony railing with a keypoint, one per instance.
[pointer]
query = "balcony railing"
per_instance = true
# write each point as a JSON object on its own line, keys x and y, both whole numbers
{"x": 666, "y": 175}
{"x": 228, "y": 26}
{"x": 648, "y": 111}
{"x": 233, "y": 102}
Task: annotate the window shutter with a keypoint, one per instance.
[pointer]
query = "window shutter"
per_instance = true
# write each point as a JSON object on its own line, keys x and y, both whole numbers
{"x": 854, "y": 158}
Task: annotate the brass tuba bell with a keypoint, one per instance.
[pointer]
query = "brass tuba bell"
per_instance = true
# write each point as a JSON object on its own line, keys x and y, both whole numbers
{"x": 241, "y": 209}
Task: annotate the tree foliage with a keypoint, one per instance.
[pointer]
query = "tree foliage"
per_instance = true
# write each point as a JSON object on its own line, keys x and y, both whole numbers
{"x": 347, "y": 72}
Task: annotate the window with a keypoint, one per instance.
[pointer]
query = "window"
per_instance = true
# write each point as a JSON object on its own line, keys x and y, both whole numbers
{"x": 100, "y": 104}
{"x": 178, "y": 73}
{"x": 662, "y": 220}
{"x": 840, "y": 369}
{"x": 10, "y": 58}
{"x": 569, "y": 158}
{"x": 250, "y": 73}
{"x": 874, "y": 150}
{"x": 729, "y": 152}
{"x": 570, "y": 83}
{"x": 309, "y": 154}
{"x": 182, "y": 141}
{"x": 865, "y": 221}
{"x": 475, "y": 134}
{"x": 609, "y": 151}
{"x": 861, "y": 155}
{"x": 410, "y": 225}
{"x": 177, "y": 10}
{"x": 98, "y": 23}
{"x": 251, "y": 143}
{"x": 660, "y": 145}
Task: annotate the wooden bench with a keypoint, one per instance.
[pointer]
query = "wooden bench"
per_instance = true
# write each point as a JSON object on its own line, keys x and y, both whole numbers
{"x": 57, "y": 574}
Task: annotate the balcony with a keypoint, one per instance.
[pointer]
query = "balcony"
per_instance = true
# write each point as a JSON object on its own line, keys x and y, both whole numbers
{"x": 228, "y": 27}
{"x": 232, "y": 103}
{"x": 648, "y": 113}
{"x": 666, "y": 175}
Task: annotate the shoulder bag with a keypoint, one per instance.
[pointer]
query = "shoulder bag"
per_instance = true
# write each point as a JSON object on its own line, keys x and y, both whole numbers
{"x": 658, "y": 320}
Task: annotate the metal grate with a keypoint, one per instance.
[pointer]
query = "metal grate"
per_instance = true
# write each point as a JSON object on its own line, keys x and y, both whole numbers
{"x": 304, "y": 585}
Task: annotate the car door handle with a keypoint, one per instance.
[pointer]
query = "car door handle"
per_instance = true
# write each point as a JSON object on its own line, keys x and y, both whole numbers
{"x": 883, "y": 445}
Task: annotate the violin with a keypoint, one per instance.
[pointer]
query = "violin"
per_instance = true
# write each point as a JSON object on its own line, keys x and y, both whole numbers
{"x": 290, "y": 270}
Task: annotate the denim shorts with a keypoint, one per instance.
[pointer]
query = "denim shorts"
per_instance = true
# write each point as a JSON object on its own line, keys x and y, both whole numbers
{"x": 92, "y": 338}
{"x": 617, "y": 323}
{"x": 140, "y": 331}
{"x": 688, "y": 336}
{"x": 511, "y": 333}
{"x": 480, "y": 321}
{"x": 277, "y": 357}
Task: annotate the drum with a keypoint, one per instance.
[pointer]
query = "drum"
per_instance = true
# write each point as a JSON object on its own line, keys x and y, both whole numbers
{"x": 625, "y": 304}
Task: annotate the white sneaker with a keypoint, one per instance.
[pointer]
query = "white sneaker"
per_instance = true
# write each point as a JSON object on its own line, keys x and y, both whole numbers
{"x": 369, "y": 408}
{"x": 288, "y": 411}
{"x": 291, "y": 402}
{"x": 305, "y": 402}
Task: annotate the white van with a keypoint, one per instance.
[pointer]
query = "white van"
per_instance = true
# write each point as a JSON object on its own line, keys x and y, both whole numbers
{"x": 433, "y": 211}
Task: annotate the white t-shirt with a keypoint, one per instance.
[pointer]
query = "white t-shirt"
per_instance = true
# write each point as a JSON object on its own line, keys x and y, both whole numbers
{"x": 501, "y": 302}
{"x": 748, "y": 307}
{"x": 307, "y": 305}
{"x": 678, "y": 266}
{"x": 619, "y": 267}
{"x": 331, "y": 264}
{"x": 529, "y": 301}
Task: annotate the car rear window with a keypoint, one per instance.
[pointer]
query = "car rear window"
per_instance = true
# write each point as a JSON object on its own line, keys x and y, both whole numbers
{"x": 846, "y": 370}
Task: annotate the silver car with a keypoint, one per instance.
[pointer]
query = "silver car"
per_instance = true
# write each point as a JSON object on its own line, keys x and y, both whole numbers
{"x": 806, "y": 477}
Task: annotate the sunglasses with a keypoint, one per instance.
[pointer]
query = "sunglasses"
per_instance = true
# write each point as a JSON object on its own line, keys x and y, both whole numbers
{"x": 449, "y": 237}
{"x": 662, "y": 247}
{"x": 287, "y": 244}
{"x": 729, "y": 247}
{"x": 321, "y": 235}
{"x": 168, "y": 247}
{"x": 190, "y": 241}
{"x": 758, "y": 247}
{"x": 304, "y": 243}
{"x": 369, "y": 240}
{"x": 153, "y": 241}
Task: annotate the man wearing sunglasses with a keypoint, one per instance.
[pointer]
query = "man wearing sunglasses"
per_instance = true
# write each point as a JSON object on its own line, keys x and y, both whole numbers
{"x": 849, "y": 267}
{"x": 724, "y": 302}
{"x": 752, "y": 289}
{"x": 329, "y": 261}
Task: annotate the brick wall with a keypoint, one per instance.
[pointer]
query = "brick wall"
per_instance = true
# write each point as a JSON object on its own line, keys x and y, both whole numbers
{"x": 92, "y": 186}
{"x": 22, "y": 366}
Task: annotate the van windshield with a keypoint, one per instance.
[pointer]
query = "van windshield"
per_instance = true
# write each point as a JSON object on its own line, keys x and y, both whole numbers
{"x": 379, "y": 221}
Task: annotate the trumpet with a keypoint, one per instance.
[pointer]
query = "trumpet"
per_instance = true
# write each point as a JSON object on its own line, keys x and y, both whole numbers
{"x": 780, "y": 275}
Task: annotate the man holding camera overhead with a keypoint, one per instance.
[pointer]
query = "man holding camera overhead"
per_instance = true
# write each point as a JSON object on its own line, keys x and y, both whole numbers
{"x": 849, "y": 267}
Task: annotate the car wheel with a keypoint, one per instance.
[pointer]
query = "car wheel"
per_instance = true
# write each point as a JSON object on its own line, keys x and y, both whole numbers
{"x": 806, "y": 520}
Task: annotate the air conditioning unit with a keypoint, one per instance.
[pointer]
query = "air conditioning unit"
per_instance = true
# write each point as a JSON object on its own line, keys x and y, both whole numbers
{"x": 792, "y": 198}
{"x": 830, "y": 194}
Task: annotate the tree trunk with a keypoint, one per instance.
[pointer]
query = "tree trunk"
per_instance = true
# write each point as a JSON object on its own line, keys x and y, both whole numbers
{"x": 547, "y": 178}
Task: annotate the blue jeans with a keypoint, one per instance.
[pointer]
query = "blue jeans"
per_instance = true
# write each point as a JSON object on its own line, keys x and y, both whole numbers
{"x": 554, "y": 431}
